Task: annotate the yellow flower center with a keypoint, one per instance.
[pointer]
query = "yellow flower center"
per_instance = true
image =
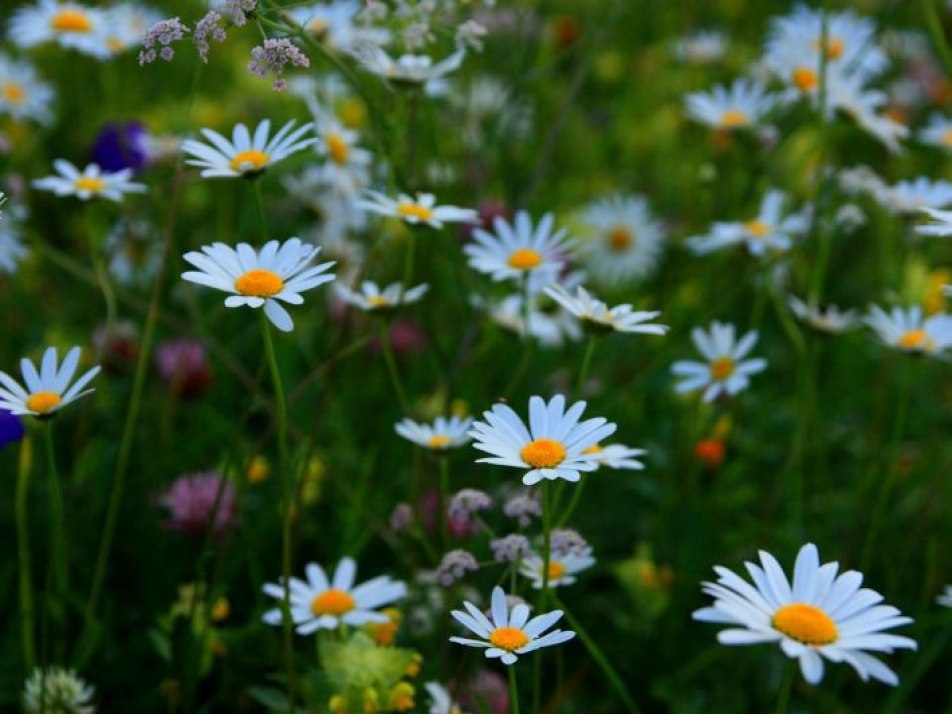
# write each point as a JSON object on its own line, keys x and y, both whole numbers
{"x": 947, "y": 138}
{"x": 722, "y": 368}
{"x": 93, "y": 184}
{"x": 508, "y": 638}
{"x": 757, "y": 228}
{"x": 12, "y": 92}
{"x": 915, "y": 340}
{"x": 620, "y": 239}
{"x": 556, "y": 570}
{"x": 525, "y": 259}
{"x": 71, "y": 21}
{"x": 805, "y": 79}
{"x": 337, "y": 148}
{"x": 806, "y": 624}
{"x": 438, "y": 441}
{"x": 593, "y": 449}
{"x": 414, "y": 210}
{"x": 377, "y": 301}
{"x": 734, "y": 118}
{"x": 250, "y": 160}
{"x": 543, "y": 453}
{"x": 332, "y": 602}
{"x": 43, "y": 402}
{"x": 259, "y": 283}
{"x": 834, "y": 47}
{"x": 317, "y": 26}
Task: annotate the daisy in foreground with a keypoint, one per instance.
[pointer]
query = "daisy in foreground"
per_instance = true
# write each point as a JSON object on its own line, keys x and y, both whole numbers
{"x": 596, "y": 315}
{"x": 821, "y": 615}
{"x": 279, "y": 271}
{"x": 556, "y": 444}
{"x": 419, "y": 211}
{"x": 91, "y": 182}
{"x": 442, "y": 434}
{"x": 906, "y": 330}
{"x": 725, "y": 371}
{"x": 47, "y": 390}
{"x": 246, "y": 154}
{"x": 321, "y": 603}
{"x": 510, "y": 633}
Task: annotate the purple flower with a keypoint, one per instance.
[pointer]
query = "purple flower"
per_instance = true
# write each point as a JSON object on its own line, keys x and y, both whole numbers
{"x": 184, "y": 365}
{"x": 121, "y": 146}
{"x": 11, "y": 428}
{"x": 191, "y": 503}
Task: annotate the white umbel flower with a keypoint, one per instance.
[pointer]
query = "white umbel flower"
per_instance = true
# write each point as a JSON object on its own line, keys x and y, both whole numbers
{"x": 45, "y": 392}
{"x": 370, "y": 298}
{"x": 620, "y": 239}
{"x": 509, "y": 633}
{"x": 91, "y": 182}
{"x": 421, "y": 210}
{"x": 769, "y": 231}
{"x": 908, "y": 330}
{"x": 441, "y": 435}
{"x": 552, "y": 447}
{"x": 725, "y": 371}
{"x": 562, "y": 568}
{"x": 597, "y": 315}
{"x": 741, "y": 105}
{"x": 245, "y": 154}
{"x": 821, "y": 615}
{"x": 68, "y": 24}
{"x": 322, "y": 603}
{"x": 279, "y": 271}
{"x": 57, "y": 691}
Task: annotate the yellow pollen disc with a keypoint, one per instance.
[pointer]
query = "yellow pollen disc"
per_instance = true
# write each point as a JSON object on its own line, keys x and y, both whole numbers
{"x": 438, "y": 441}
{"x": 525, "y": 259}
{"x": 543, "y": 453}
{"x": 734, "y": 118}
{"x": 332, "y": 602}
{"x": 915, "y": 340}
{"x": 317, "y": 26}
{"x": 806, "y": 624}
{"x": 757, "y": 228}
{"x": 89, "y": 183}
{"x": 414, "y": 210}
{"x": 620, "y": 238}
{"x": 722, "y": 368}
{"x": 337, "y": 148}
{"x": 250, "y": 160}
{"x": 947, "y": 138}
{"x": 834, "y": 47}
{"x": 43, "y": 402}
{"x": 71, "y": 21}
{"x": 13, "y": 93}
{"x": 593, "y": 449}
{"x": 259, "y": 283}
{"x": 377, "y": 301}
{"x": 805, "y": 79}
{"x": 556, "y": 570}
{"x": 508, "y": 638}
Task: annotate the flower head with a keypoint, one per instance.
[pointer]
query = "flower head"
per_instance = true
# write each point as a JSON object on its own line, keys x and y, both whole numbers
{"x": 67, "y": 23}
{"x": 562, "y": 568}
{"x": 742, "y": 105}
{"x": 48, "y": 390}
{"x": 91, "y": 182}
{"x": 725, "y": 371}
{"x": 192, "y": 499}
{"x": 621, "y": 240}
{"x": 598, "y": 316}
{"x": 11, "y": 428}
{"x": 370, "y": 298}
{"x": 908, "y": 331}
{"x": 22, "y": 94}
{"x": 830, "y": 319}
{"x": 771, "y": 230}
{"x": 57, "y": 691}
{"x": 442, "y": 434}
{"x": 821, "y": 615}
{"x": 246, "y": 154}
{"x": 421, "y": 210}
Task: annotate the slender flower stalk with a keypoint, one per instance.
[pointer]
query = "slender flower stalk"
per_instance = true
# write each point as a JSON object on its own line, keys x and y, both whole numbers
{"x": 24, "y": 471}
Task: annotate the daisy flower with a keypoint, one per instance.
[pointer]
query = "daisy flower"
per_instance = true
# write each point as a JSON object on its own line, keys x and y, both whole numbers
{"x": 621, "y": 241}
{"x": 562, "y": 568}
{"x": 770, "y": 230}
{"x": 48, "y": 390}
{"x": 11, "y": 248}
{"x": 740, "y": 106}
{"x": 370, "y": 298}
{"x": 550, "y": 329}
{"x": 91, "y": 182}
{"x": 819, "y": 616}
{"x": 441, "y": 435}
{"x": 938, "y": 132}
{"x": 320, "y": 603}
{"x": 126, "y": 25}
{"x": 830, "y": 319}
{"x": 941, "y": 225}
{"x": 410, "y": 70}
{"x": 246, "y": 154}
{"x": 347, "y": 166}
{"x": 945, "y": 599}
{"x": 67, "y": 23}
{"x": 913, "y": 196}
{"x": 419, "y": 211}
{"x": 441, "y": 702}
{"x": 278, "y": 271}
{"x": 552, "y": 447}
{"x": 725, "y": 371}
{"x": 510, "y": 632}
{"x": 702, "y": 47}
{"x": 906, "y": 330}
{"x": 866, "y": 107}
{"x": 617, "y": 456}
{"x": 599, "y": 317}
{"x": 22, "y": 94}
{"x": 519, "y": 251}
{"x": 334, "y": 25}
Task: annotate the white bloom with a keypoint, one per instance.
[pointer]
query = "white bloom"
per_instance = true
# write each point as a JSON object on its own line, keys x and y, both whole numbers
{"x": 941, "y": 225}
{"x": 334, "y": 24}
{"x": 562, "y": 568}
{"x": 831, "y": 319}
{"x": 11, "y": 248}
{"x": 770, "y": 231}
{"x": 48, "y": 390}
{"x": 595, "y": 313}
{"x": 421, "y": 210}
{"x": 617, "y": 456}
{"x": 702, "y": 47}
{"x": 725, "y": 371}
{"x": 621, "y": 241}
{"x": 945, "y": 599}
{"x": 415, "y": 70}
{"x": 550, "y": 329}
{"x": 739, "y": 106}
{"x": 370, "y": 298}
{"x": 245, "y": 155}
{"x": 91, "y": 182}
{"x": 442, "y": 434}
{"x": 57, "y": 691}
{"x": 23, "y": 95}
{"x": 938, "y": 132}
{"x": 821, "y": 615}
{"x": 509, "y": 633}
{"x": 126, "y": 24}
{"x": 279, "y": 271}
{"x": 906, "y": 330}
{"x": 912, "y": 196}
{"x": 440, "y": 700}
{"x": 67, "y": 23}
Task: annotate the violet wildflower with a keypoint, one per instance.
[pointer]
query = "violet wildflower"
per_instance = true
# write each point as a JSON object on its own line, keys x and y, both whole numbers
{"x": 523, "y": 507}
{"x": 272, "y": 56}
{"x": 208, "y": 27}
{"x": 466, "y": 502}
{"x": 565, "y": 541}
{"x": 510, "y": 548}
{"x": 184, "y": 365}
{"x": 162, "y": 33}
{"x": 454, "y": 566}
{"x": 238, "y": 10}
{"x": 191, "y": 502}
{"x": 121, "y": 146}
{"x": 11, "y": 428}
{"x": 401, "y": 520}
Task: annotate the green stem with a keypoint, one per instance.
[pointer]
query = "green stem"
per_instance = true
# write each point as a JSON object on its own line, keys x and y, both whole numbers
{"x": 408, "y": 264}
{"x": 573, "y": 504}
{"x": 783, "y": 697}
{"x": 392, "y": 370}
{"x": 259, "y": 206}
{"x": 444, "y": 500}
{"x": 287, "y": 502}
{"x": 24, "y": 472}
{"x": 546, "y": 540}
{"x": 939, "y": 42}
{"x": 513, "y": 691}
{"x": 586, "y": 361}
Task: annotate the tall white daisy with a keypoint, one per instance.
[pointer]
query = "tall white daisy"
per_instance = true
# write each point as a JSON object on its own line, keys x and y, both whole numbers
{"x": 562, "y": 568}
{"x": 620, "y": 239}
{"x": 596, "y": 315}
{"x": 910, "y": 331}
{"x": 821, "y": 615}
{"x": 48, "y": 390}
{"x": 68, "y": 24}
{"x": 441, "y": 435}
{"x": 421, "y": 210}
{"x": 91, "y": 182}
{"x": 741, "y": 105}
{"x": 245, "y": 154}
{"x": 771, "y": 230}
{"x": 725, "y": 371}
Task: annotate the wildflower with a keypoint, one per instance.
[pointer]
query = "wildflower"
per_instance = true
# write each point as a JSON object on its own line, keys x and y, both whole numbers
{"x": 510, "y": 632}
{"x": 617, "y": 456}
{"x": 830, "y": 319}
{"x": 48, "y": 390}
{"x": 57, "y": 690}
{"x": 551, "y": 330}
{"x": 401, "y": 519}
{"x": 385, "y": 633}
{"x": 323, "y": 604}
{"x": 238, "y": 11}
{"x": 564, "y": 542}
{"x": 11, "y": 428}
{"x": 245, "y": 155}
{"x": 134, "y": 251}
{"x": 463, "y": 504}
{"x": 769, "y": 230}
{"x": 22, "y": 94}
{"x": 523, "y": 507}
{"x": 442, "y": 434}
{"x": 126, "y": 25}
{"x": 938, "y": 132}
{"x": 441, "y": 702}
{"x": 370, "y": 298}
{"x": 510, "y": 548}
{"x": 91, "y": 182}
{"x": 116, "y": 345}
{"x": 67, "y": 23}
{"x": 621, "y": 240}
{"x": 407, "y": 70}
{"x": 821, "y": 615}
{"x": 421, "y": 210}
{"x": 11, "y": 248}
{"x": 454, "y": 566}
{"x": 941, "y": 225}
{"x": 710, "y": 452}
{"x": 335, "y": 25}
{"x": 562, "y": 569}
{"x": 906, "y": 330}
{"x": 208, "y": 27}
{"x": 597, "y": 315}
{"x": 701, "y": 47}
{"x": 742, "y": 105}
{"x": 945, "y": 599}
{"x": 914, "y": 196}
{"x": 278, "y": 271}
{"x": 191, "y": 501}
{"x": 725, "y": 371}
{"x": 162, "y": 33}
{"x": 552, "y": 447}
{"x": 272, "y": 56}
{"x": 183, "y": 364}
{"x": 121, "y": 146}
